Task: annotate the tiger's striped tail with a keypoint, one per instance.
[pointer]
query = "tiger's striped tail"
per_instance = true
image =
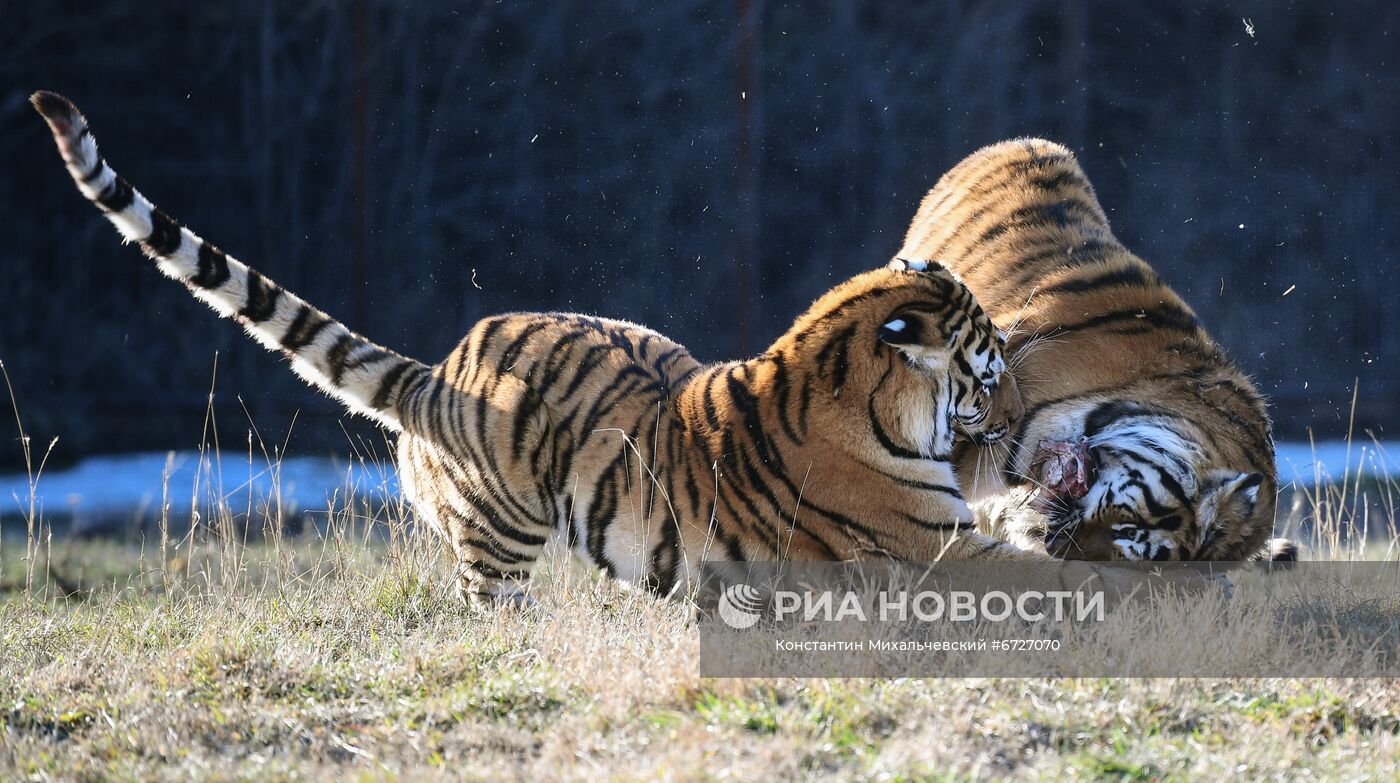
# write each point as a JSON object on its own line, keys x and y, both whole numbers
{"x": 368, "y": 378}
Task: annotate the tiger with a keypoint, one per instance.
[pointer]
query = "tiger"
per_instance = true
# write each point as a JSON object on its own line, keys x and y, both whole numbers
{"x": 834, "y": 444}
{"x": 1140, "y": 440}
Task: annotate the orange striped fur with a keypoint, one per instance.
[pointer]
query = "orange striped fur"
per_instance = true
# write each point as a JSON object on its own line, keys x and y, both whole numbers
{"x": 834, "y": 444}
{"x": 1102, "y": 349}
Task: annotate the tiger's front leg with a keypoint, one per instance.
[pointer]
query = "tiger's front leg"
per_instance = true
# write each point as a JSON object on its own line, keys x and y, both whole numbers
{"x": 1035, "y": 568}
{"x": 964, "y": 541}
{"x": 981, "y": 547}
{"x": 1012, "y": 516}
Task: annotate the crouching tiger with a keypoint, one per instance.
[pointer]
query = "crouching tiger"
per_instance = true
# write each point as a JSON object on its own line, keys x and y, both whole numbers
{"x": 834, "y": 444}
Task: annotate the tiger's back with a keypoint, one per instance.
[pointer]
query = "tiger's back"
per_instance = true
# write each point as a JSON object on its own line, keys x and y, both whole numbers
{"x": 1100, "y": 346}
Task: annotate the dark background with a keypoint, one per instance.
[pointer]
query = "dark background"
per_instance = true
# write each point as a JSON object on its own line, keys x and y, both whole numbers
{"x": 706, "y": 168}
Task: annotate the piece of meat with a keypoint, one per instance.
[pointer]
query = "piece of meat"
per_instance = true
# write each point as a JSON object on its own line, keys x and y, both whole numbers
{"x": 1065, "y": 470}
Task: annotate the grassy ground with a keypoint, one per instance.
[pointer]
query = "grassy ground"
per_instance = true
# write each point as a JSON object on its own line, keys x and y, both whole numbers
{"x": 340, "y": 654}
{"x": 347, "y": 660}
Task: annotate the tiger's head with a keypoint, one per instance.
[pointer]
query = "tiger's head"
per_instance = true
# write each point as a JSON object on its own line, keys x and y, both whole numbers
{"x": 1156, "y": 493}
{"x": 911, "y": 346}
{"x": 986, "y": 402}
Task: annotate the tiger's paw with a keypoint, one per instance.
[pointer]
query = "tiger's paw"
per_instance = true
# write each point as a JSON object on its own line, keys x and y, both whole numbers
{"x": 1065, "y": 470}
{"x": 484, "y": 595}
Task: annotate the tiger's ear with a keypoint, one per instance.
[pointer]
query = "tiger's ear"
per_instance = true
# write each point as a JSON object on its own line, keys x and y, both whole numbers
{"x": 1238, "y": 497}
{"x": 926, "y": 267}
{"x": 905, "y": 330}
{"x": 910, "y": 264}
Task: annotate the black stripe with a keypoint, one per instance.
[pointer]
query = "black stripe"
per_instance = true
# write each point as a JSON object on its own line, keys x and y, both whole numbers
{"x": 731, "y": 546}
{"x": 782, "y": 389}
{"x": 1112, "y": 411}
{"x": 1131, "y": 275}
{"x": 261, "y": 301}
{"x": 638, "y": 383}
{"x": 1059, "y": 179}
{"x": 747, "y": 404}
{"x": 308, "y": 323}
{"x": 939, "y": 488}
{"x": 1034, "y": 265}
{"x": 601, "y": 513}
{"x": 926, "y": 525}
{"x": 491, "y": 572}
{"x": 117, "y": 196}
{"x": 593, "y": 358}
{"x": 513, "y": 351}
{"x": 1139, "y": 460}
{"x": 335, "y": 357}
{"x": 746, "y": 480}
{"x": 1165, "y": 316}
{"x": 93, "y": 173}
{"x": 995, "y": 175}
{"x": 530, "y": 403}
{"x": 496, "y": 548}
{"x": 1033, "y": 216}
{"x": 839, "y": 308}
{"x": 894, "y": 449}
{"x": 165, "y": 237}
{"x": 213, "y": 267}
{"x": 963, "y": 366}
{"x": 836, "y": 351}
{"x": 665, "y": 556}
{"x": 386, "y": 385}
{"x": 746, "y": 484}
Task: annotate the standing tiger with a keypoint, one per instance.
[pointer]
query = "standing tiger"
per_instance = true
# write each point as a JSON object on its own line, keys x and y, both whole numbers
{"x": 1141, "y": 440}
{"x": 834, "y": 444}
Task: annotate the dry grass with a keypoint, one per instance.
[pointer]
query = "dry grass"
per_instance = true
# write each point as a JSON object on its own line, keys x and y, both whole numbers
{"x": 340, "y": 654}
{"x": 350, "y": 660}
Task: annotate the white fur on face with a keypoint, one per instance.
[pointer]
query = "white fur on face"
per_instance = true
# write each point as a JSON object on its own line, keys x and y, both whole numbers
{"x": 974, "y": 409}
{"x": 926, "y": 419}
{"x": 1160, "y": 444}
{"x": 1138, "y": 456}
{"x": 1135, "y": 543}
{"x": 932, "y": 360}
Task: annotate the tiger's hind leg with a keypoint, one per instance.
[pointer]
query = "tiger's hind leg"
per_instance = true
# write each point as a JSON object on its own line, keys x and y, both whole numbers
{"x": 494, "y": 531}
{"x": 487, "y": 574}
{"x": 493, "y": 550}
